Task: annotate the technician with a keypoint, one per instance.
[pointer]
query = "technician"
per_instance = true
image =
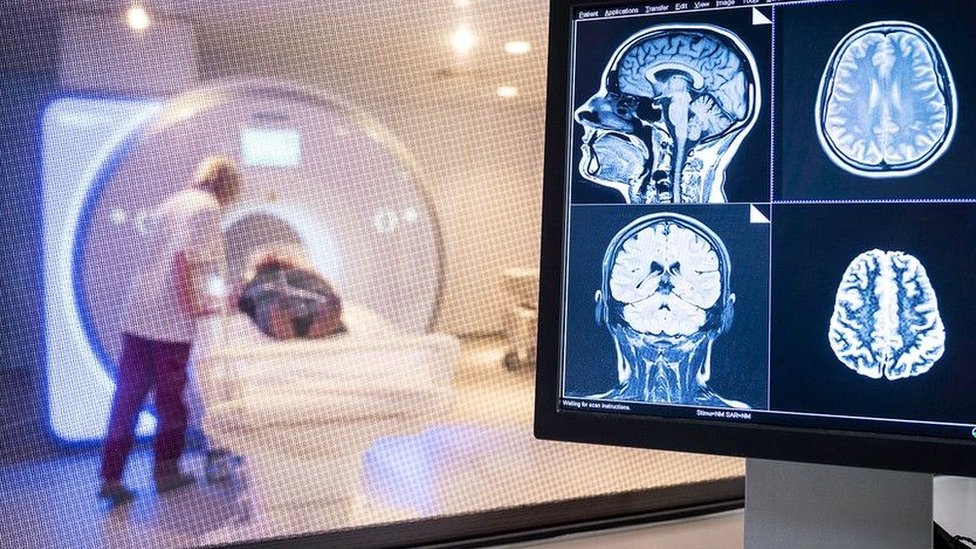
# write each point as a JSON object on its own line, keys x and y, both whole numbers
{"x": 180, "y": 282}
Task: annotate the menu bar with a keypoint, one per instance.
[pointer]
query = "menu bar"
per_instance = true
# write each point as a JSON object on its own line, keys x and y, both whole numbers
{"x": 627, "y": 10}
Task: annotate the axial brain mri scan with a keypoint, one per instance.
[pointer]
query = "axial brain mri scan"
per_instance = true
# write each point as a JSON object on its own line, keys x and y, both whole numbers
{"x": 675, "y": 103}
{"x": 886, "y": 106}
{"x": 886, "y": 321}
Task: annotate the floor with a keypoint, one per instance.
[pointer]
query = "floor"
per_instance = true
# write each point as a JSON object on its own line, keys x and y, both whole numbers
{"x": 482, "y": 458}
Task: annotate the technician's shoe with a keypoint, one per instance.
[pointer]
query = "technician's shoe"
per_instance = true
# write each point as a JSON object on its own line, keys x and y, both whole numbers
{"x": 115, "y": 493}
{"x": 221, "y": 465}
{"x": 174, "y": 481}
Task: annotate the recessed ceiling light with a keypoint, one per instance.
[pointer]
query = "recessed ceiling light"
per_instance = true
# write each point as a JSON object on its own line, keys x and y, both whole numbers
{"x": 517, "y": 47}
{"x": 508, "y": 92}
{"x": 462, "y": 3}
{"x": 463, "y": 40}
{"x": 137, "y": 18}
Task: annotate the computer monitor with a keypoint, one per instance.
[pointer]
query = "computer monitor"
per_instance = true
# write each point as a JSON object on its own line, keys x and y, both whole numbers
{"x": 759, "y": 220}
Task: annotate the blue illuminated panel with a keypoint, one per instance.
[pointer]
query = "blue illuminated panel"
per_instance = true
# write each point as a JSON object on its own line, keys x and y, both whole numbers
{"x": 84, "y": 140}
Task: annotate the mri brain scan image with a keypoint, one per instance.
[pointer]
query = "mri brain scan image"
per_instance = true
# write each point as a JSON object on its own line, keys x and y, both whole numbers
{"x": 667, "y": 278}
{"x": 675, "y": 103}
{"x": 886, "y": 106}
{"x": 886, "y": 321}
{"x": 665, "y": 299}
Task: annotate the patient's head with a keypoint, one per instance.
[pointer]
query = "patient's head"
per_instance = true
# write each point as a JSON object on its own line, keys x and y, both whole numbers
{"x": 286, "y": 298}
{"x": 276, "y": 256}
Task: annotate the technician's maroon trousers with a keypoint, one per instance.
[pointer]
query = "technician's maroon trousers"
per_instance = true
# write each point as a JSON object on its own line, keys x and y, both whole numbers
{"x": 146, "y": 364}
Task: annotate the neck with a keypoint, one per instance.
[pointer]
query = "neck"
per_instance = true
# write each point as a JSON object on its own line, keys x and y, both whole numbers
{"x": 667, "y": 370}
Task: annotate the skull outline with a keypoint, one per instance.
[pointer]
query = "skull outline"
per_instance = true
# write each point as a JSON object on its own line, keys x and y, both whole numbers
{"x": 825, "y": 91}
{"x": 631, "y": 142}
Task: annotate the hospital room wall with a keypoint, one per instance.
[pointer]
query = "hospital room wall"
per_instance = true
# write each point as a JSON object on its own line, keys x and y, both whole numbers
{"x": 28, "y": 79}
{"x": 480, "y": 156}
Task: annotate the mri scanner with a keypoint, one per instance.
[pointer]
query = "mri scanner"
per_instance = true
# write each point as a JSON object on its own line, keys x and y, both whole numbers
{"x": 318, "y": 174}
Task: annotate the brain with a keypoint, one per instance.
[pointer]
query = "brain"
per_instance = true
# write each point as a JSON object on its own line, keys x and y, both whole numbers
{"x": 886, "y": 320}
{"x": 701, "y": 61}
{"x": 886, "y": 103}
{"x": 667, "y": 278}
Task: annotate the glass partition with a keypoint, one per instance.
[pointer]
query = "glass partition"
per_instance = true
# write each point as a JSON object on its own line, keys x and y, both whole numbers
{"x": 368, "y": 375}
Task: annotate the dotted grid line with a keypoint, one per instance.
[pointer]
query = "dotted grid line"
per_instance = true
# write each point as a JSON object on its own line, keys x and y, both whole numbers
{"x": 671, "y": 204}
{"x": 772, "y": 111}
{"x": 769, "y": 318}
{"x": 802, "y": 2}
{"x": 884, "y": 201}
{"x": 772, "y": 186}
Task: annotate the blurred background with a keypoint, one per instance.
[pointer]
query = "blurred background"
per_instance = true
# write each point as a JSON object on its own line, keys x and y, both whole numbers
{"x": 439, "y": 108}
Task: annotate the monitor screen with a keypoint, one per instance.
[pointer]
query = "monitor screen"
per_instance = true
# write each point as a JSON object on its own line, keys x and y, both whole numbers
{"x": 758, "y": 228}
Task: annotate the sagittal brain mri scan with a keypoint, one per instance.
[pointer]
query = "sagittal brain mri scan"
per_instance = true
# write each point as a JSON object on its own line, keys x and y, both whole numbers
{"x": 886, "y": 321}
{"x": 675, "y": 103}
{"x": 886, "y": 106}
{"x": 665, "y": 298}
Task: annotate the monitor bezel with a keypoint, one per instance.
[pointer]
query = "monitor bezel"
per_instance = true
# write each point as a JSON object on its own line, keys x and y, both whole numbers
{"x": 925, "y": 454}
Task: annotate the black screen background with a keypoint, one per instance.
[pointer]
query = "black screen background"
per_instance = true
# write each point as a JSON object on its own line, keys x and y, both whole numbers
{"x": 813, "y": 247}
{"x": 806, "y": 35}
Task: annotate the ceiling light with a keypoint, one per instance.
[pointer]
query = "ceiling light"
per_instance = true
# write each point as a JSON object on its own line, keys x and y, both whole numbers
{"x": 507, "y": 92}
{"x": 463, "y": 40}
{"x": 137, "y": 18}
{"x": 462, "y": 3}
{"x": 517, "y": 47}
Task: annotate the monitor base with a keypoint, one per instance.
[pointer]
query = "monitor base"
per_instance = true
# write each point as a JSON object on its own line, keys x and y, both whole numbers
{"x": 805, "y": 506}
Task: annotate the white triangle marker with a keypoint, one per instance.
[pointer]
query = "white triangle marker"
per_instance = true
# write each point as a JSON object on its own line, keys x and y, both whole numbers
{"x": 756, "y": 216}
{"x": 759, "y": 19}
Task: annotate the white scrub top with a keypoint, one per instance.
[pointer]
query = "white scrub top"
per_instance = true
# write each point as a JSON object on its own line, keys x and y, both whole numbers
{"x": 189, "y": 221}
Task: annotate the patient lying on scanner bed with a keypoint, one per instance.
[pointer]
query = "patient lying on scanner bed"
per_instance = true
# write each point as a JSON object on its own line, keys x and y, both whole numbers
{"x": 286, "y": 298}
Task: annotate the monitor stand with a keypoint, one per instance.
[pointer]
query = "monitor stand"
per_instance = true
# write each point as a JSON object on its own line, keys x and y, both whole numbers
{"x": 804, "y": 506}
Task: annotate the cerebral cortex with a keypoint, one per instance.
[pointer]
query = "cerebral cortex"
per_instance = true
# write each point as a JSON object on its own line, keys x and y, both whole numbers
{"x": 703, "y": 78}
{"x": 886, "y": 321}
{"x": 886, "y": 100}
{"x": 667, "y": 278}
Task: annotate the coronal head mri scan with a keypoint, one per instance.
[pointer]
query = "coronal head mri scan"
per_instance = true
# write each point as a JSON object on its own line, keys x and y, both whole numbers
{"x": 886, "y": 106}
{"x": 675, "y": 103}
{"x": 886, "y": 321}
{"x": 665, "y": 297}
